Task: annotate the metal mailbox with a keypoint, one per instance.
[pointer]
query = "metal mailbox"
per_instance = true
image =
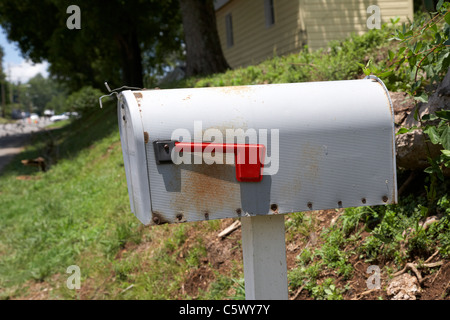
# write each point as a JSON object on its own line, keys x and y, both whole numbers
{"x": 213, "y": 153}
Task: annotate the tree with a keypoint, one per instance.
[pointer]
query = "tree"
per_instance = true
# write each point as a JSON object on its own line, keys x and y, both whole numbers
{"x": 39, "y": 91}
{"x": 2, "y": 84}
{"x": 113, "y": 36}
{"x": 425, "y": 5}
{"x": 203, "y": 50}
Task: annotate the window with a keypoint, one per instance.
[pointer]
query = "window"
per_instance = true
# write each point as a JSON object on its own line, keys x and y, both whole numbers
{"x": 270, "y": 13}
{"x": 229, "y": 28}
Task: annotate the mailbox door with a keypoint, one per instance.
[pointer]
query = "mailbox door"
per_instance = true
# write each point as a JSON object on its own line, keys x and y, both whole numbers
{"x": 328, "y": 145}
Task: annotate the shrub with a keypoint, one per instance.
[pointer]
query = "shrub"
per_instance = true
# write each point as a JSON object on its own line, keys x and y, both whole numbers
{"x": 85, "y": 98}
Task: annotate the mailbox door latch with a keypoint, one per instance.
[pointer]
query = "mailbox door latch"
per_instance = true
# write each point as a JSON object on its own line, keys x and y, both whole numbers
{"x": 249, "y": 158}
{"x": 163, "y": 151}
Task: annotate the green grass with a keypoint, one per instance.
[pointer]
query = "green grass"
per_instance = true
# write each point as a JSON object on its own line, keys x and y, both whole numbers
{"x": 5, "y": 121}
{"x": 79, "y": 206}
{"x": 77, "y": 213}
{"x": 59, "y": 124}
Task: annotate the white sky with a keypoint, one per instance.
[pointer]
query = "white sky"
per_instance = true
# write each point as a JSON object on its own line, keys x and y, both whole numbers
{"x": 15, "y": 66}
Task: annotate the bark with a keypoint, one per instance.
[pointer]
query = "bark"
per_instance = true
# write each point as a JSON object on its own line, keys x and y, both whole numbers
{"x": 204, "y": 54}
{"x": 131, "y": 60}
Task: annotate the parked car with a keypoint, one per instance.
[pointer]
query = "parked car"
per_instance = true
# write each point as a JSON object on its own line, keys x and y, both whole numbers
{"x": 49, "y": 113}
{"x": 59, "y": 117}
{"x": 64, "y": 116}
{"x": 17, "y": 114}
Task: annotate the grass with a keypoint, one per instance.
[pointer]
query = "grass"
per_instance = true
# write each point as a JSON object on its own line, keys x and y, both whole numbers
{"x": 50, "y": 219}
{"x": 5, "y": 121}
{"x": 59, "y": 124}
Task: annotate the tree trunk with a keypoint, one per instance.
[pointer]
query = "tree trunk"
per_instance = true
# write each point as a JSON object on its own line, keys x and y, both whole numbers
{"x": 131, "y": 60}
{"x": 204, "y": 54}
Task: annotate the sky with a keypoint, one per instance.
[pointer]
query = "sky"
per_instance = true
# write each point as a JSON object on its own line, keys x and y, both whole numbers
{"x": 15, "y": 66}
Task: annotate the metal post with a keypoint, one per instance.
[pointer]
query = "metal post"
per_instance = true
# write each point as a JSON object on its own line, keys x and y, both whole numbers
{"x": 264, "y": 250}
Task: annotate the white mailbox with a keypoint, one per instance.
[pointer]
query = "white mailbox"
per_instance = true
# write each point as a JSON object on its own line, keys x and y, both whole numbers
{"x": 213, "y": 153}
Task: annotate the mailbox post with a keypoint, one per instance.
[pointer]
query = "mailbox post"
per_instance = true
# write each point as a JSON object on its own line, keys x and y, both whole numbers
{"x": 264, "y": 252}
{"x": 257, "y": 153}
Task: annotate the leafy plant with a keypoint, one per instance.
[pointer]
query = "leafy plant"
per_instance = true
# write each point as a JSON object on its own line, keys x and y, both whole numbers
{"x": 195, "y": 254}
{"x": 327, "y": 291}
{"x": 305, "y": 275}
{"x": 86, "y": 97}
{"x": 305, "y": 256}
{"x": 423, "y": 59}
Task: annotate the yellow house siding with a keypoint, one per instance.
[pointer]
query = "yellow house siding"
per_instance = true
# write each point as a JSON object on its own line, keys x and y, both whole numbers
{"x": 253, "y": 41}
{"x": 297, "y": 22}
{"x": 328, "y": 20}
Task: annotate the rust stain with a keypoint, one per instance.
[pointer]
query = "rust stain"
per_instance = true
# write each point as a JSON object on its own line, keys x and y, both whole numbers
{"x": 236, "y": 89}
{"x": 206, "y": 189}
{"x": 234, "y": 125}
{"x": 312, "y": 156}
{"x": 146, "y": 137}
{"x": 138, "y": 97}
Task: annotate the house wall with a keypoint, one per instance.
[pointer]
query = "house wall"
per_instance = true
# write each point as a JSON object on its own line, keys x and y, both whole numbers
{"x": 297, "y": 22}
{"x": 253, "y": 41}
{"x": 328, "y": 20}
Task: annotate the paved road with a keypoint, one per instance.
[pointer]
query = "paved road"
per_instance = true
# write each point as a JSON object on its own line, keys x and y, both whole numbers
{"x": 14, "y": 136}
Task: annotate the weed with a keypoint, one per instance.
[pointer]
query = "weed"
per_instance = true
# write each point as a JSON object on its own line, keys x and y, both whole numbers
{"x": 305, "y": 275}
{"x": 327, "y": 291}
{"x": 195, "y": 254}
{"x": 332, "y": 253}
{"x": 239, "y": 287}
{"x": 219, "y": 288}
{"x": 177, "y": 238}
{"x": 305, "y": 257}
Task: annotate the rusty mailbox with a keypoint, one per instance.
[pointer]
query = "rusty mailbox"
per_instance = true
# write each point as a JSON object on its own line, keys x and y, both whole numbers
{"x": 212, "y": 153}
